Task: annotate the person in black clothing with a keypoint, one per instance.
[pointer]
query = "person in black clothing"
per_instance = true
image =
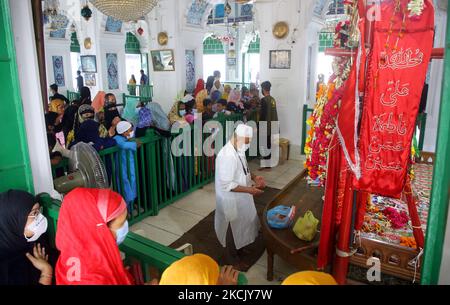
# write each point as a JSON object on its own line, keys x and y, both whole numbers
{"x": 111, "y": 111}
{"x": 56, "y": 95}
{"x": 87, "y": 130}
{"x": 22, "y": 259}
{"x": 53, "y": 122}
{"x": 85, "y": 96}
{"x": 209, "y": 84}
{"x": 80, "y": 81}
{"x": 69, "y": 116}
{"x": 208, "y": 113}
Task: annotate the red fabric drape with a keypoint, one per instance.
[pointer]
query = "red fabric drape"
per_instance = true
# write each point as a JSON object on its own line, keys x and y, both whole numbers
{"x": 412, "y": 210}
{"x": 89, "y": 252}
{"x": 328, "y": 224}
{"x": 340, "y": 266}
{"x": 349, "y": 112}
{"x": 394, "y": 84}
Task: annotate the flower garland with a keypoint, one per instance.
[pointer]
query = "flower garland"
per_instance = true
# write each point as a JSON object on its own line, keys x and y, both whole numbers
{"x": 397, "y": 220}
{"x": 409, "y": 242}
{"x": 323, "y": 120}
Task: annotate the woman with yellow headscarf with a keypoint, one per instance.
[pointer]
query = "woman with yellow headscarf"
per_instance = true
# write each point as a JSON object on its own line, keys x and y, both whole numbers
{"x": 198, "y": 269}
{"x": 309, "y": 278}
{"x": 57, "y": 106}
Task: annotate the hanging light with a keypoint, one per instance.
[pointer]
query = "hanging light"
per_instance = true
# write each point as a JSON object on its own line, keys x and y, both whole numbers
{"x": 125, "y": 10}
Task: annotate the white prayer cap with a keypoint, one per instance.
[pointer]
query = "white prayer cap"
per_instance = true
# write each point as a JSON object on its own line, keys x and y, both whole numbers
{"x": 244, "y": 131}
{"x": 187, "y": 98}
{"x": 123, "y": 126}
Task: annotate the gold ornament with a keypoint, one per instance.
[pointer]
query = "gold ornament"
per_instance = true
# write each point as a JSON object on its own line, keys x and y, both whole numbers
{"x": 87, "y": 43}
{"x": 163, "y": 38}
{"x": 280, "y": 30}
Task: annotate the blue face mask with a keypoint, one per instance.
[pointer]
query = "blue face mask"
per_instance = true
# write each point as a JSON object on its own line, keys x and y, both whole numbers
{"x": 121, "y": 233}
{"x": 182, "y": 112}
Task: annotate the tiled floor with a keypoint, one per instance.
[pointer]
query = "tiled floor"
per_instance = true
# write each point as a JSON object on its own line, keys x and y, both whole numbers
{"x": 178, "y": 218}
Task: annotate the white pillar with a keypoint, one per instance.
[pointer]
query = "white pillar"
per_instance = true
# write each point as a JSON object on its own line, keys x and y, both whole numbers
{"x": 435, "y": 84}
{"x": 26, "y": 58}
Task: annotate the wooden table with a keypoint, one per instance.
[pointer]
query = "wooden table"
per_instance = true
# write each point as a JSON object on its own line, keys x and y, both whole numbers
{"x": 284, "y": 243}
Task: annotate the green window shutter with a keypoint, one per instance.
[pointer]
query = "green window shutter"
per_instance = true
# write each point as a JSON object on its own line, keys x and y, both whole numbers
{"x": 254, "y": 47}
{"x": 132, "y": 45}
{"x": 212, "y": 46}
{"x": 325, "y": 40}
{"x": 15, "y": 168}
{"x": 74, "y": 44}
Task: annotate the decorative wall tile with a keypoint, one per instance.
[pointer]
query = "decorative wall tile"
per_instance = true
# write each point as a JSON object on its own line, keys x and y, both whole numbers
{"x": 60, "y": 23}
{"x": 113, "y": 73}
{"x": 196, "y": 12}
{"x": 246, "y": 10}
{"x": 190, "y": 70}
{"x": 58, "y": 71}
{"x": 113, "y": 25}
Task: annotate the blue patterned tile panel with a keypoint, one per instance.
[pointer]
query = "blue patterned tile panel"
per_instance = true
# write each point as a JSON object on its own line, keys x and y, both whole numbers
{"x": 113, "y": 25}
{"x": 58, "y": 71}
{"x": 113, "y": 73}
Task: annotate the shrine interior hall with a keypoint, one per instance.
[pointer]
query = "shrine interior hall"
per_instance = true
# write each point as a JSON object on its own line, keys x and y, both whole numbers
{"x": 297, "y": 141}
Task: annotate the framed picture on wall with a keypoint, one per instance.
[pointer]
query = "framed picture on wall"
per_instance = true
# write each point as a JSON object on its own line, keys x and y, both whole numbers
{"x": 280, "y": 59}
{"x": 89, "y": 80}
{"x": 163, "y": 60}
{"x": 88, "y": 64}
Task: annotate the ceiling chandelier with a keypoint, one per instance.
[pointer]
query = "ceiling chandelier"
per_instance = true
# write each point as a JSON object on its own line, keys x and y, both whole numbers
{"x": 125, "y": 10}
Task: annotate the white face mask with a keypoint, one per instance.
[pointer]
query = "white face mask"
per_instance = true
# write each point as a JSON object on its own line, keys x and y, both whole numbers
{"x": 244, "y": 148}
{"x": 138, "y": 109}
{"x": 38, "y": 227}
{"x": 131, "y": 136}
{"x": 121, "y": 233}
{"x": 182, "y": 112}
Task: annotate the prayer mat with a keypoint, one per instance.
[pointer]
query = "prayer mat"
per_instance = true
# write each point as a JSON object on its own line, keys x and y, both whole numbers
{"x": 204, "y": 240}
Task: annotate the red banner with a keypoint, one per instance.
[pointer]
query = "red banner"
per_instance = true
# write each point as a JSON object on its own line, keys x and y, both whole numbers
{"x": 396, "y": 73}
{"x": 349, "y": 112}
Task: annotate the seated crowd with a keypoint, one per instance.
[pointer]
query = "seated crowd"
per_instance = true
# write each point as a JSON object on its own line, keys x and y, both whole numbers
{"x": 95, "y": 121}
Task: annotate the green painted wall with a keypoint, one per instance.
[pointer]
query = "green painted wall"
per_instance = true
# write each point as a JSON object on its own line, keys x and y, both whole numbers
{"x": 15, "y": 169}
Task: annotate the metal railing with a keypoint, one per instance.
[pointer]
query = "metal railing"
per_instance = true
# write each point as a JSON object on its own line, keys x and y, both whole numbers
{"x": 238, "y": 85}
{"x": 161, "y": 178}
{"x": 421, "y": 122}
{"x": 306, "y": 113}
{"x": 140, "y": 90}
{"x": 71, "y": 95}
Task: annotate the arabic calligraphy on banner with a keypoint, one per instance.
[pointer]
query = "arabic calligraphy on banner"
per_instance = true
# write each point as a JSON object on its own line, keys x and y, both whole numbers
{"x": 401, "y": 59}
{"x": 395, "y": 80}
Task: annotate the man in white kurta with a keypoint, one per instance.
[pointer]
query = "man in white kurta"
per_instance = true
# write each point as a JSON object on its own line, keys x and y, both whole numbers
{"x": 236, "y": 221}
